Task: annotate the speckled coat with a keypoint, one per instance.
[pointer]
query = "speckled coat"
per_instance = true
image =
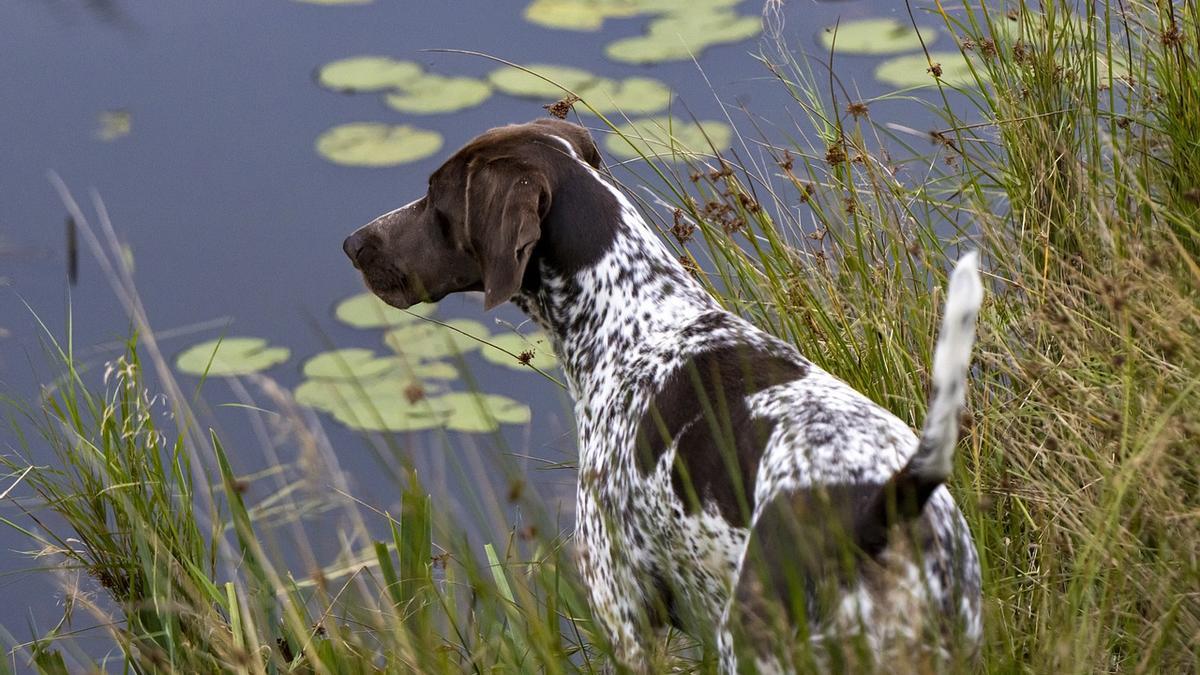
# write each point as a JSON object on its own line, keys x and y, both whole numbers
{"x": 717, "y": 465}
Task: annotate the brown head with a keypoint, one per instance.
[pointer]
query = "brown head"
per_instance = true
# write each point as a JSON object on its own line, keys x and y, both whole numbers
{"x": 477, "y": 227}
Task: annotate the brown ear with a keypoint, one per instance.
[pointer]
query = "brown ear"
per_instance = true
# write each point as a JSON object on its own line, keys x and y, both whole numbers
{"x": 505, "y": 205}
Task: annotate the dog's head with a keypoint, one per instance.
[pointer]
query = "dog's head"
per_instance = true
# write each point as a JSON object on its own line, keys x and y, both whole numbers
{"x": 477, "y": 226}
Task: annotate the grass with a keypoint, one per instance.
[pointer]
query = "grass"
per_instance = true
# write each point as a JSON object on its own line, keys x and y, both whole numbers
{"x": 1074, "y": 166}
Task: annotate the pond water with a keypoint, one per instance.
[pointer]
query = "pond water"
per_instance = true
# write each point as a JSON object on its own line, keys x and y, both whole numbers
{"x": 197, "y": 123}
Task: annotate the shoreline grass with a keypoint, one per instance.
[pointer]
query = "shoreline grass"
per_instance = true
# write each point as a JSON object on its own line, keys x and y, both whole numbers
{"x": 1074, "y": 165}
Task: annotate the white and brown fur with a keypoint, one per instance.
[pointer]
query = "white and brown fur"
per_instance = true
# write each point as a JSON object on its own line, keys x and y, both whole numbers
{"x": 727, "y": 486}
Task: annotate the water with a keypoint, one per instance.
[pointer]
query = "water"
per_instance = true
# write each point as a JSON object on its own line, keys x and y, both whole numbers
{"x": 233, "y": 218}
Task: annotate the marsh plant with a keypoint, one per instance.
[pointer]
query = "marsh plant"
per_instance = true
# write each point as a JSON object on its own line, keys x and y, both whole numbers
{"x": 1070, "y": 158}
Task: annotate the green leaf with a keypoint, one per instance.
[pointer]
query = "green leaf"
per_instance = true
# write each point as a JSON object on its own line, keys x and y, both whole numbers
{"x": 590, "y": 15}
{"x": 378, "y": 404}
{"x": 365, "y": 310}
{"x": 875, "y": 36}
{"x": 230, "y": 356}
{"x": 576, "y": 14}
{"x": 350, "y": 364}
{"x": 664, "y": 137}
{"x": 114, "y": 124}
{"x": 678, "y": 37}
{"x": 428, "y": 340}
{"x": 913, "y": 70}
{"x": 368, "y": 74}
{"x": 632, "y": 96}
{"x": 479, "y": 413}
{"x": 433, "y": 94}
{"x": 516, "y": 82}
{"x": 538, "y": 344}
{"x": 376, "y": 144}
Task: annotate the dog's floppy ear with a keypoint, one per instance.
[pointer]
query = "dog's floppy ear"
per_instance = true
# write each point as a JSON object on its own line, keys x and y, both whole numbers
{"x": 506, "y": 201}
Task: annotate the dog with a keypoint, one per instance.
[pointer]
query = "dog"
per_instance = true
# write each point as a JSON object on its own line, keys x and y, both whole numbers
{"x": 727, "y": 486}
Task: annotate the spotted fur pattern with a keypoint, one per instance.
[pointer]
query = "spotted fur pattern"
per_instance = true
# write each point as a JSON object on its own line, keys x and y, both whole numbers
{"x": 622, "y": 327}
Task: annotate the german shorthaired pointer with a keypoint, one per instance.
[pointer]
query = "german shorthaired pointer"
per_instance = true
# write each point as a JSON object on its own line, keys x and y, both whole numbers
{"x": 727, "y": 486}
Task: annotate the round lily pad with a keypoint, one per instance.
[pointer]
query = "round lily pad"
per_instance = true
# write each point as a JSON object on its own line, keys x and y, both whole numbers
{"x": 367, "y": 74}
{"x": 516, "y": 82}
{"x": 676, "y": 37}
{"x": 663, "y": 137}
{"x": 428, "y": 340}
{"x": 431, "y": 94}
{"x": 365, "y": 310}
{"x": 537, "y": 347}
{"x": 376, "y": 144}
{"x": 353, "y": 364}
{"x": 479, "y": 413}
{"x": 875, "y": 36}
{"x": 913, "y": 70}
{"x": 230, "y": 356}
{"x": 632, "y": 96}
{"x": 380, "y": 404}
{"x": 577, "y": 14}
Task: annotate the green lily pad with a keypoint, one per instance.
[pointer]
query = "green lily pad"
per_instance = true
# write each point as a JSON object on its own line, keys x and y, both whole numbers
{"x": 114, "y": 124}
{"x": 368, "y": 74}
{"x": 677, "y": 37}
{"x": 913, "y": 70}
{"x": 379, "y": 404}
{"x": 875, "y": 36}
{"x": 230, "y": 356}
{"x": 365, "y": 310}
{"x": 632, "y": 96}
{"x": 516, "y": 82}
{"x": 353, "y": 364}
{"x": 663, "y": 137}
{"x": 428, "y": 340}
{"x": 589, "y": 15}
{"x": 538, "y": 345}
{"x": 431, "y": 94}
{"x": 576, "y": 14}
{"x": 479, "y": 413}
{"x": 375, "y": 144}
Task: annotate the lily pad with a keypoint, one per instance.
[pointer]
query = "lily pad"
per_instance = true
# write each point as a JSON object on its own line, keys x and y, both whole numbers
{"x": 368, "y": 74}
{"x": 875, "y": 36}
{"x": 230, "y": 356}
{"x": 664, "y": 137}
{"x": 576, "y": 14}
{"x": 517, "y": 82}
{"x": 365, "y": 310}
{"x": 632, "y": 96}
{"x": 479, "y": 413}
{"x": 589, "y": 15}
{"x": 352, "y": 364}
{"x": 538, "y": 346}
{"x": 375, "y": 144}
{"x": 913, "y": 70}
{"x": 114, "y": 124}
{"x": 428, "y": 340}
{"x": 431, "y": 94}
{"x": 677, "y": 37}
{"x": 379, "y": 404}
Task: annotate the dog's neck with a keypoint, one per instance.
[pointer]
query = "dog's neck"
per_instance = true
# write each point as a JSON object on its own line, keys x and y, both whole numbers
{"x": 606, "y": 287}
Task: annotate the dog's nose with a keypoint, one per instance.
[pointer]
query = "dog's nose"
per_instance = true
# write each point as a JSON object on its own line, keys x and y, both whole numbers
{"x": 354, "y": 245}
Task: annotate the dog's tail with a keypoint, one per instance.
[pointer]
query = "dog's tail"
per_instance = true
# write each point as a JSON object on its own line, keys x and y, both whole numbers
{"x": 903, "y": 497}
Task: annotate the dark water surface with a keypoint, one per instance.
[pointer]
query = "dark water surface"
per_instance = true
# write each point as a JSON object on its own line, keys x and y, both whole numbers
{"x": 232, "y": 217}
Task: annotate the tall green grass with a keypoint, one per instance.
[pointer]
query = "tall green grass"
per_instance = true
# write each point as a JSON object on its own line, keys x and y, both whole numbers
{"x": 1074, "y": 165}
